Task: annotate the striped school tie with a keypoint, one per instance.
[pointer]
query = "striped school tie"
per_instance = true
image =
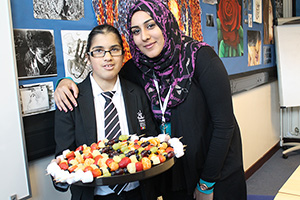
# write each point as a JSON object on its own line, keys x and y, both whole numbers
{"x": 112, "y": 128}
{"x": 111, "y": 119}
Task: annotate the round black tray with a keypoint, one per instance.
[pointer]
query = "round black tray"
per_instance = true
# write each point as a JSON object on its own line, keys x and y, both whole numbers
{"x": 125, "y": 178}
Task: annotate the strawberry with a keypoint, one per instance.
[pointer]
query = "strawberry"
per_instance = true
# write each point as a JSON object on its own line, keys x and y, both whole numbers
{"x": 161, "y": 158}
{"x": 88, "y": 168}
{"x": 80, "y": 148}
{"x": 97, "y": 158}
{"x": 139, "y": 166}
{"x": 124, "y": 162}
{"x": 71, "y": 158}
{"x": 94, "y": 146}
{"x": 169, "y": 149}
{"x": 149, "y": 147}
{"x": 108, "y": 161}
{"x": 63, "y": 165}
{"x": 70, "y": 154}
{"x": 86, "y": 156}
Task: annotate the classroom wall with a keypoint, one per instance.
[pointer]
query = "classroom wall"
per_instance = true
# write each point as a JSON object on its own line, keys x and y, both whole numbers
{"x": 257, "y": 112}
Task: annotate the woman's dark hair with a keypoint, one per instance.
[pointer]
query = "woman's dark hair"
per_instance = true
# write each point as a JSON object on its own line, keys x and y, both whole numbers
{"x": 103, "y": 29}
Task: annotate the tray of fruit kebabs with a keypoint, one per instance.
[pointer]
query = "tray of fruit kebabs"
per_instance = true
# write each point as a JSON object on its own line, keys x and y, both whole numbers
{"x": 107, "y": 162}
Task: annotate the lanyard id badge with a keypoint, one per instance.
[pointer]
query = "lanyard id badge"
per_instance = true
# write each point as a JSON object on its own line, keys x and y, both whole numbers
{"x": 165, "y": 127}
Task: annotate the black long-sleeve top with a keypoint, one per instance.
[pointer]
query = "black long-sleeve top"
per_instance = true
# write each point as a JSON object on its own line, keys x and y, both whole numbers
{"x": 206, "y": 122}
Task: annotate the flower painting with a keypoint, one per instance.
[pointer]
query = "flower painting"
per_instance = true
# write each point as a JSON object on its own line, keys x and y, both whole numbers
{"x": 230, "y": 30}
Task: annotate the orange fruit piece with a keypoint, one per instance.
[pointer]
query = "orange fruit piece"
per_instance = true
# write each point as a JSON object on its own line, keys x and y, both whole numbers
{"x": 146, "y": 163}
{"x": 96, "y": 172}
{"x": 113, "y": 166}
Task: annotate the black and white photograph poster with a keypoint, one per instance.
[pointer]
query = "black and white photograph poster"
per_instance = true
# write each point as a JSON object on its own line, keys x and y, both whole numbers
{"x": 210, "y": 20}
{"x": 35, "y": 53}
{"x": 58, "y": 9}
{"x": 74, "y": 49}
{"x": 37, "y": 98}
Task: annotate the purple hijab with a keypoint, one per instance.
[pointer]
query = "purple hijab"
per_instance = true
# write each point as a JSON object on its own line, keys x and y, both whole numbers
{"x": 176, "y": 63}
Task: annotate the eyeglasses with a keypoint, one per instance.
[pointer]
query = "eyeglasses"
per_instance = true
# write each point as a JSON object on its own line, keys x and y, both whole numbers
{"x": 100, "y": 53}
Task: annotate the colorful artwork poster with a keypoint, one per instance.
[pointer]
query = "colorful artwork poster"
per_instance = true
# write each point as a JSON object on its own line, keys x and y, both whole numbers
{"x": 114, "y": 12}
{"x": 230, "y": 30}
{"x": 254, "y": 48}
{"x": 268, "y": 21}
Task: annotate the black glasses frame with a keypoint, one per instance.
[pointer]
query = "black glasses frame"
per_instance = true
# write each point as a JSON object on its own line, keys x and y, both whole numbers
{"x": 91, "y": 53}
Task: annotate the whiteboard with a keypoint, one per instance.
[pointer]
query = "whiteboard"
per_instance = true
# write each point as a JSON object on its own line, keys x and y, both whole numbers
{"x": 287, "y": 41}
{"x": 14, "y": 169}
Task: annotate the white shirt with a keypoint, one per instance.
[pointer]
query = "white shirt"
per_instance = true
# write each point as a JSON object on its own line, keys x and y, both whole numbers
{"x": 99, "y": 102}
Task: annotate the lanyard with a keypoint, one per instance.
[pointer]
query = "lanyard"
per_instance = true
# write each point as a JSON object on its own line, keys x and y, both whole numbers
{"x": 163, "y": 107}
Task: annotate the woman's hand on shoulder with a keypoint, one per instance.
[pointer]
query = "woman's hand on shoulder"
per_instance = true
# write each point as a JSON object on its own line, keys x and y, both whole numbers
{"x": 65, "y": 95}
{"x": 201, "y": 196}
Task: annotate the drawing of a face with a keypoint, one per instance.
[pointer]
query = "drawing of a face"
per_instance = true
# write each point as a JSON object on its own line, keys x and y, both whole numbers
{"x": 44, "y": 55}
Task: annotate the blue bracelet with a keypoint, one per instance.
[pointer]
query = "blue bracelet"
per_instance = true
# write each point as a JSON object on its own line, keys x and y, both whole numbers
{"x": 205, "y": 191}
{"x": 209, "y": 184}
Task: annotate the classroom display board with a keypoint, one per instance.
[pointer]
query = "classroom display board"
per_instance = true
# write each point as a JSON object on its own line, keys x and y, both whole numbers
{"x": 61, "y": 30}
{"x": 288, "y": 62}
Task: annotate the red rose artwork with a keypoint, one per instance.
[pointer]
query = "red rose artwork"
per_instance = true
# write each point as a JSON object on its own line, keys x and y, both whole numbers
{"x": 230, "y": 31}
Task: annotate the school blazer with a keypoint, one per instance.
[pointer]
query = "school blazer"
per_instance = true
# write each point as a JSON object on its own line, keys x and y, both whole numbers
{"x": 78, "y": 127}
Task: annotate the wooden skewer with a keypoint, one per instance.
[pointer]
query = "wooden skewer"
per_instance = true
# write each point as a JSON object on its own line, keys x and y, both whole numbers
{"x": 61, "y": 181}
{"x": 141, "y": 135}
{"x": 180, "y": 138}
{"x": 184, "y": 146}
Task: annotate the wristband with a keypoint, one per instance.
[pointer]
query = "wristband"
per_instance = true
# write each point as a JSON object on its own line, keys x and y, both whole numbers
{"x": 205, "y": 187}
{"x": 209, "y": 184}
{"x": 205, "y": 191}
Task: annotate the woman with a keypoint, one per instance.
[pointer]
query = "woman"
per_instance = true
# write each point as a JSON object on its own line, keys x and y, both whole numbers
{"x": 190, "y": 95}
{"x": 87, "y": 123}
